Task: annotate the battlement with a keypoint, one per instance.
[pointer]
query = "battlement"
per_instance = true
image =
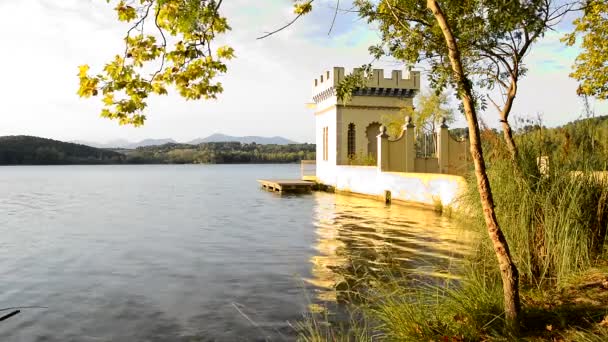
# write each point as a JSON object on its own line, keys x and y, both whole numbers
{"x": 396, "y": 85}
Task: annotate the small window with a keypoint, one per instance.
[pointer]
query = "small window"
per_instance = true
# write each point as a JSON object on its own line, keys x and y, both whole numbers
{"x": 351, "y": 140}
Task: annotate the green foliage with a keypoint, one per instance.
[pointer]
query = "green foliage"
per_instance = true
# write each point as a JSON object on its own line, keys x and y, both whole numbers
{"x": 176, "y": 53}
{"x": 431, "y": 108}
{"x": 27, "y": 150}
{"x": 351, "y": 82}
{"x": 556, "y": 223}
{"x": 394, "y": 122}
{"x": 578, "y": 145}
{"x": 320, "y": 328}
{"x": 454, "y": 311}
{"x": 591, "y": 65}
{"x": 482, "y": 29}
{"x": 556, "y": 226}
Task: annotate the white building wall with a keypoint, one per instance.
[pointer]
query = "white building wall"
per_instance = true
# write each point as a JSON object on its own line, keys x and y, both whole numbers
{"x": 420, "y": 188}
{"x": 363, "y": 112}
{"x": 322, "y": 120}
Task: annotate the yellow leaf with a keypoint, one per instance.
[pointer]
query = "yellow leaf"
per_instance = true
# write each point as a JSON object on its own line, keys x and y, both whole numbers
{"x": 225, "y": 52}
{"x": 108, "y": 99}
{"x": 82, "y": 70}
{"x": 304, "y": 8}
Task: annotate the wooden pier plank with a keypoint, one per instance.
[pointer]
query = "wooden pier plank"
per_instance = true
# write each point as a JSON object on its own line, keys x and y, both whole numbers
{"x": 286, "y": 185}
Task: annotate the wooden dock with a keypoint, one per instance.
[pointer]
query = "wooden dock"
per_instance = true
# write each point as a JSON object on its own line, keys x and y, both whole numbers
{"x": 286, "y": 185}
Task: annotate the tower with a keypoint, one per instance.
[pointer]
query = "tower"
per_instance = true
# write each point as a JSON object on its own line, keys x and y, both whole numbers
{"x": 344, "y": 130}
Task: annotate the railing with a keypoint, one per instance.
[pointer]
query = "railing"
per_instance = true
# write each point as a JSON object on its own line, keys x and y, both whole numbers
{"x": 308, "y": 169}
{"x": 426, "y": 145}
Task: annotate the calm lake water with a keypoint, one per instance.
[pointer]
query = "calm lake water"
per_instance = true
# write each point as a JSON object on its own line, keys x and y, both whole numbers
{"x": 189, "y": 253}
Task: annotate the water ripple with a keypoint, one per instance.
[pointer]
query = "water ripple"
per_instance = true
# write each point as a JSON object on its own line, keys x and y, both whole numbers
{"x": 183, "y": 253}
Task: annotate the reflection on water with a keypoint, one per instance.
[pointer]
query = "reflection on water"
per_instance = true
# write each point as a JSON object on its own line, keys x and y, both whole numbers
{"x": 361, "y": 238}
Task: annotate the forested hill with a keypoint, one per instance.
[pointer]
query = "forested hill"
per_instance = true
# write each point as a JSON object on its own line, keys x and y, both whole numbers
{"x": 221, "y": 153}
{"x": 28, "y": 150}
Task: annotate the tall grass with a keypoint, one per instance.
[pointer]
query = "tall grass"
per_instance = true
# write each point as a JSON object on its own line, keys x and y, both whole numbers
{"x": 468, "y": 309}
{"x": 459, "y": 311}
{"x": 555, "y": 223}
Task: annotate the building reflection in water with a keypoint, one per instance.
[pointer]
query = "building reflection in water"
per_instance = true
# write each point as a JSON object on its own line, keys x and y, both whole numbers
{"x": 361, "y": 240}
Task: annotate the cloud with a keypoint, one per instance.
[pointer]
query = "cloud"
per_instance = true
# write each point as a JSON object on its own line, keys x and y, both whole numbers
{"x": 265, "y": 89}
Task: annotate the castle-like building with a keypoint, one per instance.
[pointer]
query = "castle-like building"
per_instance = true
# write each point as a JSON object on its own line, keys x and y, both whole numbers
{"x": 347, "y": 130}
{"x": 344, "y": 130}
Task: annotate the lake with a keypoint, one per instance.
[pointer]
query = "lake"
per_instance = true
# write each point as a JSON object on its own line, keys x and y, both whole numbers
{"x": 189, "y": 252}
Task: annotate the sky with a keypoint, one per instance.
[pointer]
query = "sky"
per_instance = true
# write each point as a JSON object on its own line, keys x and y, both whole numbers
{"x": 265, "y": 90}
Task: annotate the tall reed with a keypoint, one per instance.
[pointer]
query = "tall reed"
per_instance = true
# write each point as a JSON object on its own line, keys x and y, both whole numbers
{"x": 555, "y": 223}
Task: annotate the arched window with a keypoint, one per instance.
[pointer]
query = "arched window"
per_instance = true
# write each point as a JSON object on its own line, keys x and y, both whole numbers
{"x": 351, "y": 140}
{"x": 372, "y": 132}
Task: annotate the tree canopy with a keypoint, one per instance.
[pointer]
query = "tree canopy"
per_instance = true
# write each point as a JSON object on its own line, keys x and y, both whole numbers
{"x": 430, "y": 109}
{"x": 591, "y": 65}
{"x": 168, "y": 44}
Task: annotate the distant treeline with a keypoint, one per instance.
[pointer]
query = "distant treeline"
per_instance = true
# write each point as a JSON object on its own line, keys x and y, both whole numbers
{"x": 578, "y": 145}
{"x": 28, "y": 150}
{"x": 581, "y": 143}
{"x": 221, "y": 153}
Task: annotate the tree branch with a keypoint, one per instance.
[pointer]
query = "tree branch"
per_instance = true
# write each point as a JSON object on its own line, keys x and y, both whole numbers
{"x": 162, "y": 62}
{"x": 333, "y": 21}
{"x": 284, "y": 26}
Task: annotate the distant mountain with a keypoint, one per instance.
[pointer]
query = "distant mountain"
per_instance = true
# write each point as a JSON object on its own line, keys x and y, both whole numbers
{"x": 122, "y": 143}
{"x": 152, "y": 142}
{"x": 218, "y": 137}
{"x": 28, "y": 150}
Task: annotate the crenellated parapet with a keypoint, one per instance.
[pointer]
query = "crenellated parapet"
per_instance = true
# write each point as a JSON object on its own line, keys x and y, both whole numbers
{"x": 396, "y": 85}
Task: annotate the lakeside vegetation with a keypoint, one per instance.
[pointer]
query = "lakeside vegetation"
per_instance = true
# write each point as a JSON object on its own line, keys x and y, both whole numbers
{"x": 582, "y": 143}
{"x": 556, "y": 224}
{"x": 28, "y": 150}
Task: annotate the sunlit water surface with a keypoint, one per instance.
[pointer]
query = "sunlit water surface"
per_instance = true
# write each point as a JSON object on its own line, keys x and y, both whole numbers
{"x": 190, "y": 253}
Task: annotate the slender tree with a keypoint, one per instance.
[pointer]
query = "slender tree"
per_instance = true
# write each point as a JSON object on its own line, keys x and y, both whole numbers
{"x": 442, "y": 36}
{"x": 508, "y": 270}
{"x": 499, "y": 62}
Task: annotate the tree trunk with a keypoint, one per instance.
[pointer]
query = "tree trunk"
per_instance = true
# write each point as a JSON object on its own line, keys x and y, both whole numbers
{"x": 508, "y": 270}
{"x": 506, "y": 127}
{"x": 504, "y": 119}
